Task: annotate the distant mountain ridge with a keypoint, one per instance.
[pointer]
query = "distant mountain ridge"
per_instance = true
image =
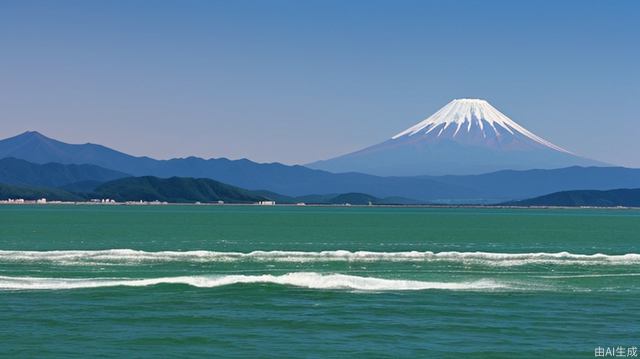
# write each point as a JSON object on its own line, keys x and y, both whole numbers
{"x": 589, "y": 198}
{"x": 35, "y": 147}
{"x": 289, "y": 180}
{"x": 301, "y": 181}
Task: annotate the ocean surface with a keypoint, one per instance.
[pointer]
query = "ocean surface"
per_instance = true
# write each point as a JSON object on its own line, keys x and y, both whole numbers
{"x": 246, "y": 281}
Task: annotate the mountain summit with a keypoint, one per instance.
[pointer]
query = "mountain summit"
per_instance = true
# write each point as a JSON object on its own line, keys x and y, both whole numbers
{"x": 467, "y": 136}
{"x": 37, "y": 148}
{"x": 475, "y": 121}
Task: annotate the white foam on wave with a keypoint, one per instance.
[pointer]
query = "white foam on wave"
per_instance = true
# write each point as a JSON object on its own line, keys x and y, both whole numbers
{"x": 131, "y": 256}
{"x": 594, "y": 275}
{"x": 310, "y": 280}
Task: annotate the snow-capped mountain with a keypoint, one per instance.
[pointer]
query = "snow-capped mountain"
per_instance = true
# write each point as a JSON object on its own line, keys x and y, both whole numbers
{"x": 467, "y": 136}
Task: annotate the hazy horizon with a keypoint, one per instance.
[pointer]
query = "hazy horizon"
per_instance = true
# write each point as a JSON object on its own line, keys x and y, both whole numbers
{"x": 298, "y": 82}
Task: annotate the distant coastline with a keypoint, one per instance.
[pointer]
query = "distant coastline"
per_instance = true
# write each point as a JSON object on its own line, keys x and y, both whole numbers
{"x": 328, "y": 205}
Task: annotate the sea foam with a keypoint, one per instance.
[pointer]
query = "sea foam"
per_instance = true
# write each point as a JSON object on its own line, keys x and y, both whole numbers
{"x": 131, "y": 256}
{"x": 310, "y": 280}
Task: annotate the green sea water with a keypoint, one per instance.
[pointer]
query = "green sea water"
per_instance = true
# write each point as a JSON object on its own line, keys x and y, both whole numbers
{"x": 248, "y": 281}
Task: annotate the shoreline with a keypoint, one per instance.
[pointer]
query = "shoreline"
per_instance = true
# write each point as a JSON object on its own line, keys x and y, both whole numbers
{"x": 138, "y": 203}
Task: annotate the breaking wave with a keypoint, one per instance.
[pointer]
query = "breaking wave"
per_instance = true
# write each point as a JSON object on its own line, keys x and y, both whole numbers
{"x": 310, "y": 280}
{"x": 130, "y": 256}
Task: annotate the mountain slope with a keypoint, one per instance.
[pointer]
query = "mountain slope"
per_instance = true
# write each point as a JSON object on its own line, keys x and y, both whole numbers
{"x": 174, "y": 189}
{"x": 591, "y": 198}
{"x": 34, "y": 147}
{"x": 467, "y": 136}
{"x": 22, "y": 173}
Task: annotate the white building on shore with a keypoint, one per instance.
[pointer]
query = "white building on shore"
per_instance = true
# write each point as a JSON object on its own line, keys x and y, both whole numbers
{"x": 267, "y": 203}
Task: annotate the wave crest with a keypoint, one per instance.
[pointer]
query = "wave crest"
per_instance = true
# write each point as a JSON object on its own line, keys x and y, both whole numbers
{"x": 130, "y": 256}
{"x": 310, "y": 280}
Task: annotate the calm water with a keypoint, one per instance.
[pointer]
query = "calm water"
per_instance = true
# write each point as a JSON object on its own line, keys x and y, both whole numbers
{"x": 187, "y": 281}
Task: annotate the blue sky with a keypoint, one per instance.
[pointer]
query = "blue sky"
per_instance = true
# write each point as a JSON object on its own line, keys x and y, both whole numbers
{"x": 297, "y": 81}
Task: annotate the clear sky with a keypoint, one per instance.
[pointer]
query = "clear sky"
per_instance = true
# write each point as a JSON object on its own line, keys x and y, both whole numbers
{"x": 297, "y": 81}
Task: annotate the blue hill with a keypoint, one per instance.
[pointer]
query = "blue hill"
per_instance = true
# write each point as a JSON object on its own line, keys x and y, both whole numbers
{"x": 591, "y": 198}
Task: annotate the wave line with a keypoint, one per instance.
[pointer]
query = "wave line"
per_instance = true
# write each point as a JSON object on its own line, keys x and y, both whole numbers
{"x": 131, "y": 256}
{"x": 311, "y": 280}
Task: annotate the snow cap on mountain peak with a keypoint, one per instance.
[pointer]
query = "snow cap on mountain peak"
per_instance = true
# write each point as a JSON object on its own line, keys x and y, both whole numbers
{"x": 469, "y": 114}
{"x": 469, "y": 100}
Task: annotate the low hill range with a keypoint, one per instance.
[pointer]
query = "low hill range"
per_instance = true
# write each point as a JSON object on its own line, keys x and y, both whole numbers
{"x": 147, "y": 188}
{"x": 585, "y": 198}
{"x": 191, "y": 190}
{"x": 174, "y": 190}
{"x": 352, "y": 198}
{"x": 35, "y": 193}
{"x": 184, "y": 190}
